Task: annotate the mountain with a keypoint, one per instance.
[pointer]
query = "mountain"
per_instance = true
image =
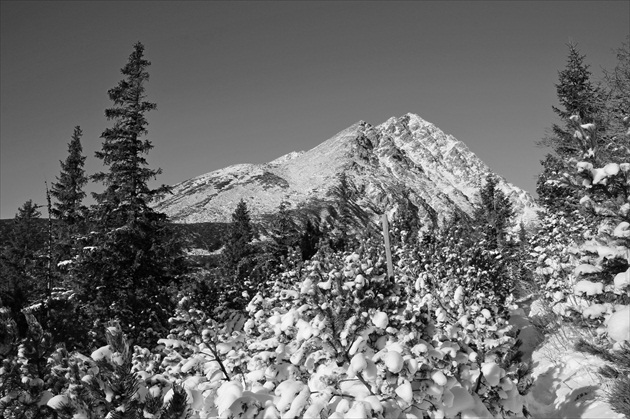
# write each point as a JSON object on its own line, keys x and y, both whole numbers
{"x": 405, "y": 155}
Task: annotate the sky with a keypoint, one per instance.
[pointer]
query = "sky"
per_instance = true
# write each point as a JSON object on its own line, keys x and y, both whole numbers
{"x": 246, "y": 82}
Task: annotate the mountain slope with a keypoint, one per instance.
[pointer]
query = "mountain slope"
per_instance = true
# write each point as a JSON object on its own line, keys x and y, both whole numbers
{"x": 405, "y": 154}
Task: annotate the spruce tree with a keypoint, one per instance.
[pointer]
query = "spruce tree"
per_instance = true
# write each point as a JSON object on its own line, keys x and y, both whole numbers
{"x": 238, "y": 248}
{"x": 493, "y": 214}
{"x": 577, "y": 95}
{"x": 22, "y": 265}
{"x": 284, "y": 232}
{"x": 68, "y": 190}
{"x": 309, "y": 240}
{"x": 127, "y": 193}
{"x": 133, "y": 259}
{"x": 407, "y": 219}
{"x": 617, "y": 108}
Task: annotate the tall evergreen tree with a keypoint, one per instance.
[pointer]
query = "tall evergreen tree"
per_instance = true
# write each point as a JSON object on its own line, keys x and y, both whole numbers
{"x": 22, "y": 265}
{"x": 127, "y": 193}
{"x": 576, "y": 92}
{"x": 238, "y": 246}
{"x": 68, "y": 190}
{"x": 617, "y": 108}
{"x": 284, "y": 232}
{"x": 309, "y": 240}
{"x": 135, "y": 258}
{"x": 493, "y": 213}
{"x": 577, "y": 95}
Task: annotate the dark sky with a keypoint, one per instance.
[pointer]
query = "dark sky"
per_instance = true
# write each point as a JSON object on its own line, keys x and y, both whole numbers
{"x": 245, "y": 82}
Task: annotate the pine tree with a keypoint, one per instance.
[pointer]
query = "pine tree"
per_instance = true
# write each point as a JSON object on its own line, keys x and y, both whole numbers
{"x": 309, "y": 240}
{"x": 127, "y": 194}
{"x": 238, "y": 246}
{"x": 134, "y": 259}
{"x": 22, "y": 266}
{"x": 407, "y": 219}
{"x": 493, "y": 213}
{"x": 68, "y": 190}
{"x": 577, "y": 95}
{"x": 349, "y": 219}
{"x": 284, "y": 231}
{"x": 617, "y": 108}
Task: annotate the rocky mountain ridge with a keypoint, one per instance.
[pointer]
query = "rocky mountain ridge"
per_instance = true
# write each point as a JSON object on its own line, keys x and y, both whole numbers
{"x": 402, "y": 156}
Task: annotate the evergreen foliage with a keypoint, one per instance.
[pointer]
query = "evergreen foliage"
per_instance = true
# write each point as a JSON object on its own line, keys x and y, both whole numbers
{"x": 238, "y": 248}
{"x": 132, "y": 261}
{"x": 349, "y": 220}
{"x": 25, "y": 372}
{"x": 68, "y": 190}
{"x": 577, "y": 95}
{"x": 406, "y": 221}
{"x": 22, "y": 261}
{"x": 493, "y": 215}
{"x": 284, "y": 233}
{"x": 127, "y": 193}
{"x": 327, "y": 333}
{"x": 309, "y": 240}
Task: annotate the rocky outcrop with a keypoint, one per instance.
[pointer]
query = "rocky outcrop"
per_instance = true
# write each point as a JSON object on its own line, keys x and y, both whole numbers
{"x": 439, "y": 173}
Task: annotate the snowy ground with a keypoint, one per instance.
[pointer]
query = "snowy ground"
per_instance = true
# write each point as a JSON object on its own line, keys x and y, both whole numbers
{"x": 566, "y": 383}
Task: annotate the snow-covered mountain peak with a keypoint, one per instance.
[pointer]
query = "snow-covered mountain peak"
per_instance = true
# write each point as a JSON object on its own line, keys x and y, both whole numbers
{"x": 403, "y": 154}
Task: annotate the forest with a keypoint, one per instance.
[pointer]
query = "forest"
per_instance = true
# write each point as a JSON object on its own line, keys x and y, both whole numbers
{"x": 105, "y": 313}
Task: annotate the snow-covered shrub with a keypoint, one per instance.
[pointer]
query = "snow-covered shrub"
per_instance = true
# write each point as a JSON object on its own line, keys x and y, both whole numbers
{"x": 331, "y": 337}
{"x": 24, "y": 373}
{"x": 108, "y": 384}
{"x": 552, "y": 258}
{"x": 335, "y": 337}
{"x": 601, "y": 280}
{"x": 471, "y": 288}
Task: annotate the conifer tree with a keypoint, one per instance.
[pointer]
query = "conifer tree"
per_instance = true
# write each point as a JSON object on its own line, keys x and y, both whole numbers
{"x": 238, "y": 242}
{"x": 493, "y": 213}
{"x": 68, "y": 190}
{"x": 577, "y": 95}
{"x": 284, "y": 232}
{"x": 309, "y": 240}
{"x": 134, "y": 258}
{"x": 349, "y": 219}
{"x": 617, "y": 108}
{"x": 407, "y": 219}
{"x": 22, "y": 266}
{"x": 127, "y": 193}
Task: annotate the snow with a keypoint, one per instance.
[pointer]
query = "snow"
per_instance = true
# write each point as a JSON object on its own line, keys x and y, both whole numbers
{"x": 622, "y": 281}
{"x": 595, "y": 311}
{"x": 462, "y": 400}
{"x": 622, "y": 230}
{"x": 405, "y": 392}
{"x": 586, "y": 268}
{"x": 566, "y": 383}
{"x": 57, "y": 402}
{"x": 447, "y": 179}
{"x": 393, "y": 361}
{"x": 439, "y": 378}
{"x": 589, "y": 288}
{"x": 380, "y": 319}
{"x": 618, "y": 324}
{"x": 358, "y": 362}
{"x": 492, "y": 373}
{"x": 104, "y": 352}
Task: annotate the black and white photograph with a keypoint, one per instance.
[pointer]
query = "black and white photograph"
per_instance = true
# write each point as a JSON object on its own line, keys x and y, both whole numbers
{"x": 314, "y": 209}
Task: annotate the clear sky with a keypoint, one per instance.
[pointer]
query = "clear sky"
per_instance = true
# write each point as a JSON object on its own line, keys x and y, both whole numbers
{"x": 245, "y": 82}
